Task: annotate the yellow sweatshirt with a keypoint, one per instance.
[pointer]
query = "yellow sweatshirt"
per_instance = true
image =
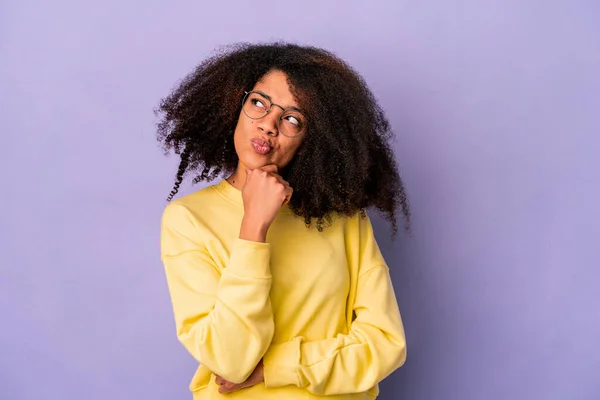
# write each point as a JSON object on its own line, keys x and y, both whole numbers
{"x": 318, "y": 307}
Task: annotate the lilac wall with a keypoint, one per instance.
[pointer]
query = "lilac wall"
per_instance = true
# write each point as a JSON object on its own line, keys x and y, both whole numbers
{"x": 496, "y": 106}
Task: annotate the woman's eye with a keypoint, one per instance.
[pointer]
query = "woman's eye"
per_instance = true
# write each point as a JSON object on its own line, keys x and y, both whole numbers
{"x": 293, "y": 120}
{"x": 258, "y": 103}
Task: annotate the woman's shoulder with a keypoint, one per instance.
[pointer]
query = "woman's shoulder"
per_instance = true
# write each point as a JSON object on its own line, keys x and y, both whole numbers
{"x": 196, "y": 198}
{"x": 203, "y": 204}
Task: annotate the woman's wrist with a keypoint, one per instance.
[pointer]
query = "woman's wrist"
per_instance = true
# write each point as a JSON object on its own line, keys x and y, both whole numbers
{"x": 253, "y": 231}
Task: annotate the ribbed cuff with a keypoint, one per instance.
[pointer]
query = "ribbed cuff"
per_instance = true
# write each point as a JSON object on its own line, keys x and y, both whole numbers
{"x": 250, "y": 259}
{"x": 281, "y": 363}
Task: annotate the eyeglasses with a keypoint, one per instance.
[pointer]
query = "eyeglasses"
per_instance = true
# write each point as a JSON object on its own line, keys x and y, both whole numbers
{"x": 257, "y": 105}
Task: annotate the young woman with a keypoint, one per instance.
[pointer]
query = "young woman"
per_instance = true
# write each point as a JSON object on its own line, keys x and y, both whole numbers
{"x": 278, "y": 286}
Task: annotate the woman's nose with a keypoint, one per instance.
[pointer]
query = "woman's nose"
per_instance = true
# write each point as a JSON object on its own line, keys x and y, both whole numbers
{"x": 270, "y": 123}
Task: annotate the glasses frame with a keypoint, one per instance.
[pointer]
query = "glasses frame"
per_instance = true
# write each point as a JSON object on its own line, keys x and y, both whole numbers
{"x": 247, "y": 93}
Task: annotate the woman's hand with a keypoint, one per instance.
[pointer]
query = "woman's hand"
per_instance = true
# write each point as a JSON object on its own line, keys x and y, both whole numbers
{"x": 263, "y": 194}
{"x": 255, "y": 378}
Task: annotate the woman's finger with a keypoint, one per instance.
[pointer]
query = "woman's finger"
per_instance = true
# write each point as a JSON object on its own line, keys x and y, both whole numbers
{"x": 286, "y": 185}
{"x": 278, "y": 177}
{"x": 289, "y": 191}
{"x": 271, "y": 168}
{"x": 229, "y": 387}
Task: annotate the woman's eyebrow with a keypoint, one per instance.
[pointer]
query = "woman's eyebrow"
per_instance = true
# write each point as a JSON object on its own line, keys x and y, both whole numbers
{"x": 271, "y": 100}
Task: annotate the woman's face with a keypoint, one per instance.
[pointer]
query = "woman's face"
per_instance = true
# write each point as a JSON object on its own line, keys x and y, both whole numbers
{"x": 259, "y": 142}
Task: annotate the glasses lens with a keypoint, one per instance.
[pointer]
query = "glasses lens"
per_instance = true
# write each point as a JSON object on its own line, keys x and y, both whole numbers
{"x": 292, "y": 123}
{"x": 256, "y": 106}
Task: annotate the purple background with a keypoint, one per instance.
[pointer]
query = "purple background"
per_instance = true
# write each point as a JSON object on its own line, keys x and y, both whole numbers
{"x": 496, "y": 106}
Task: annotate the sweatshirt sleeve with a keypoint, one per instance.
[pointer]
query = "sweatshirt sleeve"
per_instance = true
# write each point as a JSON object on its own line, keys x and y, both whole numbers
{"x": 223, "y": 318}
{"x": 373, "y": 348}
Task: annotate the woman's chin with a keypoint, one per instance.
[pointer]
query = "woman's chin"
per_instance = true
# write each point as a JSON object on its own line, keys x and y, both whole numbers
{"x": 254, "y": 162}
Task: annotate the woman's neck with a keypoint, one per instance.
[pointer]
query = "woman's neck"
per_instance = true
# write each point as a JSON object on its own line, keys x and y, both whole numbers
{"x": 238, "y": 178}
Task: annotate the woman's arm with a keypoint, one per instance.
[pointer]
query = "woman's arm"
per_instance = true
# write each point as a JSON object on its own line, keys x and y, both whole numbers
{"x": 373, "y": 348}
{"x": 223, "y": 318}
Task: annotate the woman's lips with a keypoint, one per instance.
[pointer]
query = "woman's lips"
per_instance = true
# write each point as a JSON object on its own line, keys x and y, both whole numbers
{"x": 261, "y": 146}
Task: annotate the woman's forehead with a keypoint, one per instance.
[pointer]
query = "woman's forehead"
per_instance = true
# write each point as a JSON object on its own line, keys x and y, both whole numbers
{"x": 276, "y": 86}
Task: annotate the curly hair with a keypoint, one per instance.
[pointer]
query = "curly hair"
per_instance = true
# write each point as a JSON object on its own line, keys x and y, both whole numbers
{"x": 345, "y": 163}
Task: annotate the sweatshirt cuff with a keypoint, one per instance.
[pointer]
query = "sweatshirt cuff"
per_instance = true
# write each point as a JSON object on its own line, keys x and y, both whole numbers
{"x": 281, "y": 363}
{"x": 250, "y": 259}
